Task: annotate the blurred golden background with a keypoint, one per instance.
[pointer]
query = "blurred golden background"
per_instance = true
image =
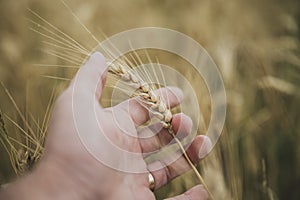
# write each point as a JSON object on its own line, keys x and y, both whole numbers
{"x": 255, "y": 45}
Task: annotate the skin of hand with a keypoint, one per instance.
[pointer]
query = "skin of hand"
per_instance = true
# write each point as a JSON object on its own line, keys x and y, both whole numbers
{"x": 68, "y": 171}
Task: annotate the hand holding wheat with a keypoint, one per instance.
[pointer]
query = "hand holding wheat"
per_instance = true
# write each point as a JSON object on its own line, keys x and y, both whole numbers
{"x": 68, "y": 171}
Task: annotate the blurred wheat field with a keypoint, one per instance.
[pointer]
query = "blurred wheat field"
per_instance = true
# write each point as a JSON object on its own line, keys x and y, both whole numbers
{"x": 255, "y": 45}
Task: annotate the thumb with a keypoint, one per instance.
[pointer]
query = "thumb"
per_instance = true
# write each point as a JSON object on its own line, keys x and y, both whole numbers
{"x": 91, "y": 77}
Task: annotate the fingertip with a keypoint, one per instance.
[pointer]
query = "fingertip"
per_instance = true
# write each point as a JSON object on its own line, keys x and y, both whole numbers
{"x": 197, "y": 192}
{"x": 91, "y": 76}
{"x": 182, "y": 124}
{"x": 97, "y": 62}
{"x": 93, "y": 73}
{"x": 96, "y": 57}
{"x": 177, "y": 92}
{"x": 199, "y": 148}
{"x": 205, "y": 146}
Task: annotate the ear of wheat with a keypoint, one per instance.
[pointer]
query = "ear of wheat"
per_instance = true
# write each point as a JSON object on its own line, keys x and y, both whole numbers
{"x": 26, "y": 150}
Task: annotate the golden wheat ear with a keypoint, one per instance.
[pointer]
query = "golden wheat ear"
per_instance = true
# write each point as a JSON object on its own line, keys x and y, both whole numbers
{"x": 25, "y": 149}
{"x": 4, "y": 140}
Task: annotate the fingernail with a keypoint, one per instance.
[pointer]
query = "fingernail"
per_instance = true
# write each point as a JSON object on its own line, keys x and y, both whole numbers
{"x": 205, "y": 148}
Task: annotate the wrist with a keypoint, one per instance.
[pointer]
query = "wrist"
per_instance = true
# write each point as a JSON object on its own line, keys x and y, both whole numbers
{"x": 88, "y": 179}
{"x": 62, "y": 181}
{"x": 45, "y": 182}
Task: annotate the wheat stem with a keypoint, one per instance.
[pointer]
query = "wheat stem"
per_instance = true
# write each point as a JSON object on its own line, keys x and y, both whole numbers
{"x": 190, "y": 162}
